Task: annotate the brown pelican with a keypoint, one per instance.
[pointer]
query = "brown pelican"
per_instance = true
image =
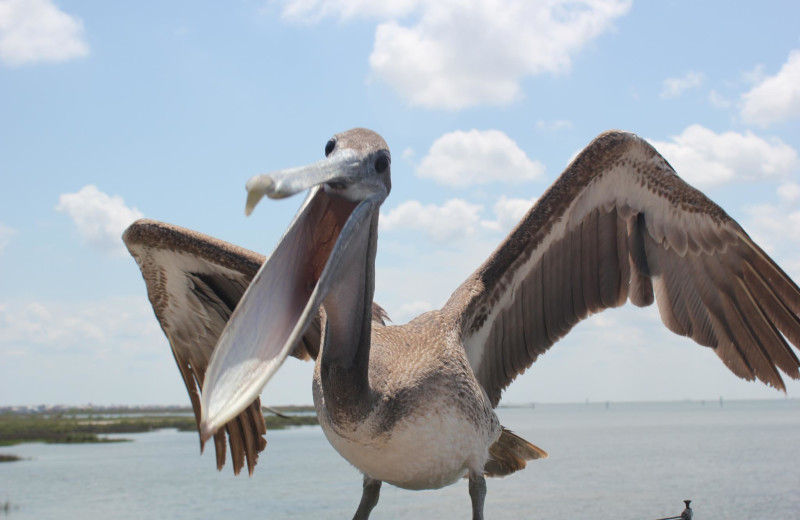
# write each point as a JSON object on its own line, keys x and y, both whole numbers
{"x": 412, "y": 405}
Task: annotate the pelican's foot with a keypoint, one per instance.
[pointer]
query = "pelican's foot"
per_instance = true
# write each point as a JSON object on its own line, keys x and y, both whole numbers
{"x": 369, "y": 498}
{"x": 477, "y": 492}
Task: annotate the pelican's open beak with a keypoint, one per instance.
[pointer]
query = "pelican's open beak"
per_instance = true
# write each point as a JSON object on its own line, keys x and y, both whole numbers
{"x": 287, "y": 291}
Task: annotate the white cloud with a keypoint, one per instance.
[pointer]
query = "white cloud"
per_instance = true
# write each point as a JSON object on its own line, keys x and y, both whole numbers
{"x": 477, "y": 157}
{"x": 462, "y": 54}
{"x": 100, "y": 219}
{"x": 5, "y": 236}
{"x": 450, "y": 54}
{"x": 717, "y": 100}
{"x": 674, "y": 87}
{"x": 316, "y": 10}
{"x": 102, "y": 351}
{"x": 789, "y": 193}
{"x": 775, "y": 226}
{"x": 97, "y": 328}
{"x": 508, "y": 212}
{"x": 37, "y": 30}
{"x": 408, "y": 311}
{"x": 704, "y": 158}
{"x": 556, "y": 124}
{"x": 755, "y": 75}
{"x": 454, "y": 219}
{"x": 771, "y": 225}
{"x": 774, "y": 98}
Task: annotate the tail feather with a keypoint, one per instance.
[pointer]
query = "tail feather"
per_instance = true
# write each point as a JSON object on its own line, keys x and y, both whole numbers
{"x": 510, "y": 453}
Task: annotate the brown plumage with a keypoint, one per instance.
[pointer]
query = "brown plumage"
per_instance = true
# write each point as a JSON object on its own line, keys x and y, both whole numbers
{"x": 588, "y": 245}
{"x": 617, "y": 225}
{"x": 194, "y": 282}
{"x": 510, "y": 453}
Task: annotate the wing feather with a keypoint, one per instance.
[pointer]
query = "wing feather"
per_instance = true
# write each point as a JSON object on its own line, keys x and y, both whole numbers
{"x": 641, "y": 285}
{"x": 579, "y": 307}
{"x": 620, "y": 225}
{"x": 589, "y": 263}
{"x": 194, "y": 282}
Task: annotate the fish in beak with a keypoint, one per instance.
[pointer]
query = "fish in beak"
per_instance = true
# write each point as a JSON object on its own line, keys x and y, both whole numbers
{"x": 346, "y": 190}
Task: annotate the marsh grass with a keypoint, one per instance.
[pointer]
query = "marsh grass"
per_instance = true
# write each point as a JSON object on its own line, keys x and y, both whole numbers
{"x": 7, "y": 457}
{"x": 71, "y": 428}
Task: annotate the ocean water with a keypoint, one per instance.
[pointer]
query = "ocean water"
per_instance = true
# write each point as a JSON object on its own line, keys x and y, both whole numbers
{"x": 623, "y": 461}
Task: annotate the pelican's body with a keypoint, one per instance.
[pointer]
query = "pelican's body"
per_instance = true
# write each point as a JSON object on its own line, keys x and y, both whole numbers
{"x": 412, "y": 405}
{"x": 428, "y": 423}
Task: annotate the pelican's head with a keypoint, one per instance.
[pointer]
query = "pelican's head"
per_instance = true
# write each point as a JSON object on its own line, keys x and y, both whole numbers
{"x": 357, "y": 166}
{"x": 341, "y": 209}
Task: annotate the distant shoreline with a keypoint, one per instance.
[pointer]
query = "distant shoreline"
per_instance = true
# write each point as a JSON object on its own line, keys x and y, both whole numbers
{"x": 654, "y": 402}
{"x": 79, "y": 425}
{"x": 129, "y": 409}
{"x": 70, "y": 409}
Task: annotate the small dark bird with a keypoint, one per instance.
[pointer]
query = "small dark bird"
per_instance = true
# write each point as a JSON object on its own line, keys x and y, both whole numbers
{"x": 687, "y": 513}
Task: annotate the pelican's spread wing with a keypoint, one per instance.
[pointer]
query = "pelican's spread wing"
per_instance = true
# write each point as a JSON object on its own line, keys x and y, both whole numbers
{"x": 619, "y": 224}
{"x": 194, "y": 282}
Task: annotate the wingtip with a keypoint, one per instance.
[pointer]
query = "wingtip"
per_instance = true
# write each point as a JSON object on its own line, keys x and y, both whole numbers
{"x": 126, "y": 235}
{"x": 140, "y": 230}
{"x": 206, "y": 432}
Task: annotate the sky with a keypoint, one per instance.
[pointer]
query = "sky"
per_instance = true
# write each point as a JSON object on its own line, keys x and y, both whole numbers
{"x": 114, "y": 111}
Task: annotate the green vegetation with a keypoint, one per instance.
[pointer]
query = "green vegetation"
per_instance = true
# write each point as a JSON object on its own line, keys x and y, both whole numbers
{"x": 278, "y": 423}
{"x": 7, "y": 457}
{"x": 80, "y": 426}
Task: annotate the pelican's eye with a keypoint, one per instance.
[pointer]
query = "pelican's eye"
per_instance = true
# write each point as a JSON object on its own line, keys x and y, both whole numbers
{"x": 329, "y": 147}
{"x": 381, "y": 164}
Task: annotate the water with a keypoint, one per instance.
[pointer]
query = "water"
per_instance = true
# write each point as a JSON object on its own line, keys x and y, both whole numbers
{"x": 634, "y": 460}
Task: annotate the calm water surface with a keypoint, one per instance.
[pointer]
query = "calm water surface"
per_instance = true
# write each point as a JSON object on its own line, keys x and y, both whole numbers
{"x": 632, "y": 460}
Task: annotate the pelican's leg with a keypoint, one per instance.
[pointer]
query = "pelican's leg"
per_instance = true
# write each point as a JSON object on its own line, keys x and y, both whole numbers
{"x": 369, "y": 498}
{"x": 477, "y": 492}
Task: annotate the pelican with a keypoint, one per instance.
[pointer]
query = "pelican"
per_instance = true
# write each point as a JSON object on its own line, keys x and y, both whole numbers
{"x": 413, "y": 405}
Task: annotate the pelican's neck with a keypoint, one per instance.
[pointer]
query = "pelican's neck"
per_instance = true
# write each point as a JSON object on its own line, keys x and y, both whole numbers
{"x": 344, "y": 366}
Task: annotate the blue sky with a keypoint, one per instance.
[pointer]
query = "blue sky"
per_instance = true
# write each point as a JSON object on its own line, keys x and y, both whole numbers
{"x": 113, "y": 111}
